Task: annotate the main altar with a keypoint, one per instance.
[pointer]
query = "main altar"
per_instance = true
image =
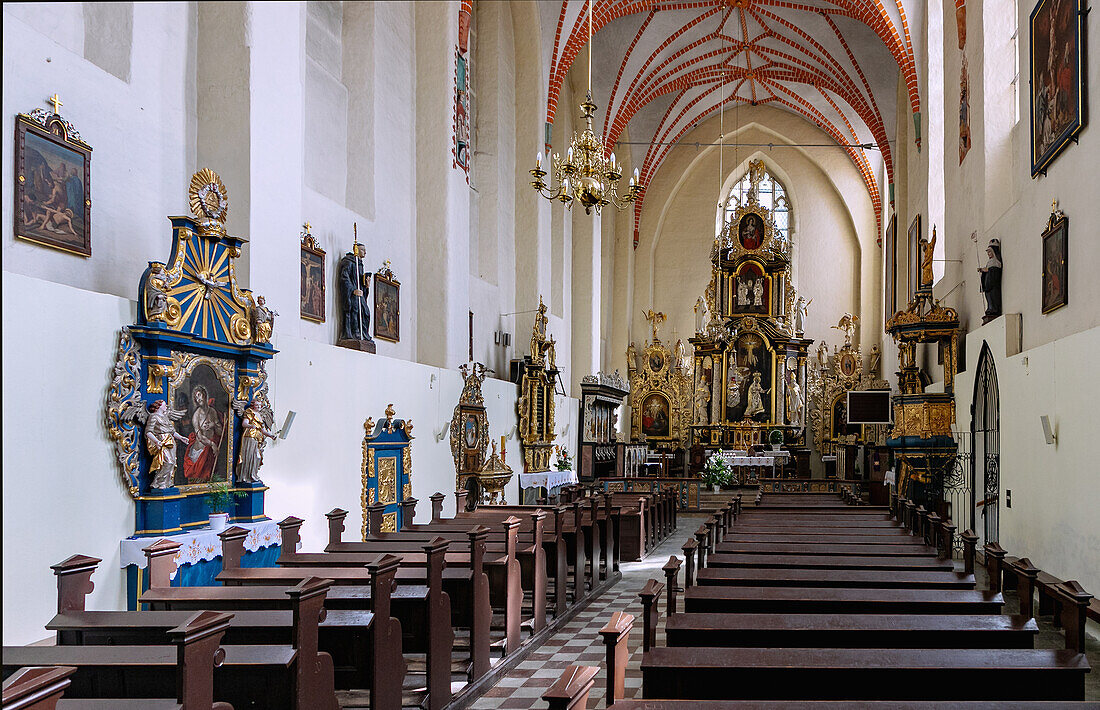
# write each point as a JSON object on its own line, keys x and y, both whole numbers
{"x": 750, "y": 355}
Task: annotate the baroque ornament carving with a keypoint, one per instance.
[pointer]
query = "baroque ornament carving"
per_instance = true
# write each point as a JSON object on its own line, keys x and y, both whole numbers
{"x": 535, "y": 407}
{"x": 829, "y": 382}
{"x": 126, "y": 411}
{"x": 662, "y": 374}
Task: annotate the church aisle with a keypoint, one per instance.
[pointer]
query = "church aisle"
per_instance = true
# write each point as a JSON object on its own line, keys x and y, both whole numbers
{"x": 579, "y": 643}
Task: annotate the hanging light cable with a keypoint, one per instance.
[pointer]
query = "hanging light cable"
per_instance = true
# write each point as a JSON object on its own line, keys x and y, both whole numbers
{"x": 586, "y": 174}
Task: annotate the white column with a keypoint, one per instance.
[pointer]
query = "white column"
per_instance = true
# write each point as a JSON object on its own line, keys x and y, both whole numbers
{"x": 587, "y": 294}
{"x": 441, "y": 199}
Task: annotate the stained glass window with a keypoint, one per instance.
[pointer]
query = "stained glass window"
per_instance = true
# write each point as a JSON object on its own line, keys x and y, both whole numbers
{"x": 771, "y": 195}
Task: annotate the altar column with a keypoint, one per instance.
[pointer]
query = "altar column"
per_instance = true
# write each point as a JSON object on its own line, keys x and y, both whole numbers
{"x": 587, "y": 295}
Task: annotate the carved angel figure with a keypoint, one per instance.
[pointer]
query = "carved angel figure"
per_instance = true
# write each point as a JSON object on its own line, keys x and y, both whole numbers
{"x": 209, "y": 283}
{"x": 847, "y": 324}
{"x": 256, "y": 423}
{"x": 160, "y": 442}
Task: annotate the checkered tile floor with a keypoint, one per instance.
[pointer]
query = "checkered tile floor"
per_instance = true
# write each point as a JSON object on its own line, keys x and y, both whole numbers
{"x": 579, "y": 643}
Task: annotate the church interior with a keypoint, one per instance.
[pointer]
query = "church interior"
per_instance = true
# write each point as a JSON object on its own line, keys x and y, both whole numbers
{"x": 737, "y": 334}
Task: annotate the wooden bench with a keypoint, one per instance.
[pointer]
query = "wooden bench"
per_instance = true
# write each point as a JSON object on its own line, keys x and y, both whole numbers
{"x": 185, "y": 670}
{"x": 912, "y": 579}
{"x": 790, "y": 548}
{"x": 41, "y": 688}
{"x": 828, "y": 562}
{"x": 786, "y": 630}
{"x": 829, "y": 600}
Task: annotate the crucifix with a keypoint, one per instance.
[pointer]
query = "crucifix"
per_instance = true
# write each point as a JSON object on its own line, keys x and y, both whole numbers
{"x": 56, "y": 101}
{"x": 307, "y": 226}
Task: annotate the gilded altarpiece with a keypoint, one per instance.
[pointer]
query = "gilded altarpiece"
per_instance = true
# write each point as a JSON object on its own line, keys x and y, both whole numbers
{"x": 536, "y": 402}
{"x": 750, "y": 357}
{"x": 190, "y": 380}
{"x": 830, "y": 380}
{"x": 660, "y": 392}
{"x": 387, "y": 468}
{"x": 470, "y": 435}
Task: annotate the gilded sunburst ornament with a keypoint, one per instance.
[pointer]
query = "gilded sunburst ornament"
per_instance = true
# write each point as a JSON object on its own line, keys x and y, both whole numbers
{"x": 209, "y": 198}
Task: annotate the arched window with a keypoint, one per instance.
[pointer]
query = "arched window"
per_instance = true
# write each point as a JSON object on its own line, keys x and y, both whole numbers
{"x": 771, "y": 195}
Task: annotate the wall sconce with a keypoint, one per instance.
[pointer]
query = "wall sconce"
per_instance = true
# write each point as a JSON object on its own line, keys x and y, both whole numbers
{"x": 1048, "y": 432}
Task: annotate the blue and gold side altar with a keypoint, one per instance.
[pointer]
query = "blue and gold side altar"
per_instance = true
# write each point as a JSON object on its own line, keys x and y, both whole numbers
{"x": 187, "y": 409}
{"x": 387, "y": 470}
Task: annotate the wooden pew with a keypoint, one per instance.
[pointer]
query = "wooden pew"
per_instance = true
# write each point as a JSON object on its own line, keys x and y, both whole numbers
{"x": 830, "y": 600}
{"x": 184, "y": 669}
{"x": 41, "y": 688}
{"x": 472, "y": 585}
{"x": 387, "y": 665}
{"x": 791, "y": 548}
{"x": 828, "y": 562}
{"x": 873, "y": 674}
{"x": 912, "y": 579}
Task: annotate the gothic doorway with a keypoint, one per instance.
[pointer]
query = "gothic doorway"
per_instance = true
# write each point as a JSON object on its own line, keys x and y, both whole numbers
{"x": 985, "y": 447}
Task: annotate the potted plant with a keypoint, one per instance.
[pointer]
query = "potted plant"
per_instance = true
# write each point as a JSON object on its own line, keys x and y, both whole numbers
{"x": 564, "y": 462}
{"x": 716, "y": 472}
{"x": 775, "y": 438}
{"x": 220, "y": 498}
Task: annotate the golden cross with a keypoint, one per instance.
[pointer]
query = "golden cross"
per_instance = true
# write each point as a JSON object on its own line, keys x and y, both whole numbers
{"x": 56, "y": 101}
{"x": 1054, "y": 205}
{"x": 307, "y": 227}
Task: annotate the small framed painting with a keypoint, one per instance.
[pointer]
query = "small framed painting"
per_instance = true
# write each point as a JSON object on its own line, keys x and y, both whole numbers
{"x": 53, "y": 170}
{"x": 313, "y": 278}
{"x": 1056, "y": 263}
{"x": 1058, "y": 103}
{"x": 387, "y": 305}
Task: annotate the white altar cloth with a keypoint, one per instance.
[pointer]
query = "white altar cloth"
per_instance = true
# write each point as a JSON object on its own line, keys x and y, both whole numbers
{"x": 547, "y": 479}
{"x": 203, "y": 544}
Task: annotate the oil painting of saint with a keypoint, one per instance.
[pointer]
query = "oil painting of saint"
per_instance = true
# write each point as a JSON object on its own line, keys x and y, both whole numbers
{"x": 1056, "y": 98}
{"x": 750, "y": 231}
{"x": 655, "y": 417}
{"x": 206, "y": 427}
{"x": 52, "y": 193}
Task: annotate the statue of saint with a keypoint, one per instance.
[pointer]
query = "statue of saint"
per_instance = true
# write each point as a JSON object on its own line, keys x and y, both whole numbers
{"x": 160, "y": 442}
{"x": 254, "y": 430}
{"x": 263, "y": 321}
{"x": 702, "y": 401}
{"x": 681, "y": 354}
{"x": 354, "y": 288}
{"x": 756, "y": 397}
{"x": 991, "y": 281}
{"x": 742, "y": 292}
{"x": 702, "y": 315}
{"x": 794, "y": 400}
{"x": 801, "y": 308}
{"x": 156, "y": 297}
{"x": 631, "y": 358}
{"x": 927, "y": 250}
{"x": 822, "y": 355}
{"x": 758, "y": 292}
{"x": 876, "y": 355}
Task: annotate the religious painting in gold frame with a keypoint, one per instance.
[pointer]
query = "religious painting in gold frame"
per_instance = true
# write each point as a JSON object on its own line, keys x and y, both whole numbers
{"x": 53, "y": 174}
{"x": 312, "y": 306}
{"x": 387, "y": 305}
{"x": 201, "y": 388}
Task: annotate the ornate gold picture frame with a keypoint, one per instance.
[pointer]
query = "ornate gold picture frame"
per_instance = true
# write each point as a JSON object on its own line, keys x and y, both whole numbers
{"x": 313, "y": 278}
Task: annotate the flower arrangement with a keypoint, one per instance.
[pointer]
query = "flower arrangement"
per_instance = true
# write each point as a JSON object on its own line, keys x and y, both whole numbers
{"x": 716, "y": 471}
{"x": 564, "y": 461}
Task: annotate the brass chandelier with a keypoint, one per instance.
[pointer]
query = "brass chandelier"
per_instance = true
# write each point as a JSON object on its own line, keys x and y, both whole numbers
{"x": 586, "y": 174}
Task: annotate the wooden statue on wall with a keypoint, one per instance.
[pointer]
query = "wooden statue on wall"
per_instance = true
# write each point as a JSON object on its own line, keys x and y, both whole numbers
{"x": 354, "y": 287}
{"x": 991, "y": 280}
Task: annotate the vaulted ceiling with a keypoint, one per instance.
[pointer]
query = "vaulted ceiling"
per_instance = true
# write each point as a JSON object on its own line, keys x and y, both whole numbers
{"x": 661, "y": 67}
